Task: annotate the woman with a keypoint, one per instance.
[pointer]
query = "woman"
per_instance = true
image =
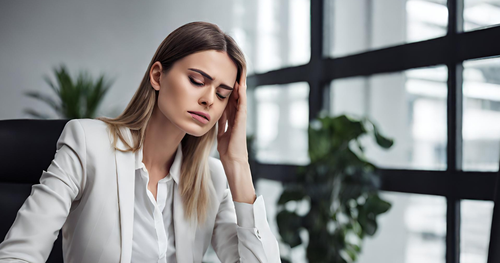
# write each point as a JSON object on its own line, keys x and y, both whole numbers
{"x": 142, "y": 187}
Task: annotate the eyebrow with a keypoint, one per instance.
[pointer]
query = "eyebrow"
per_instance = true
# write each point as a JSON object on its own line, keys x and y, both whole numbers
{"x": 224, "y": 86}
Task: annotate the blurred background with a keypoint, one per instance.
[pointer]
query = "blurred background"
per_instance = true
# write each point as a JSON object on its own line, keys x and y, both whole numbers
{"x": 427, "y": 72}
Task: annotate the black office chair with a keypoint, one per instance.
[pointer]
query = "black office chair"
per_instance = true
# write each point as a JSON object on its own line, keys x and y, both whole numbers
{"x": 494, "y": 247}
{"x": 27, "y": 148}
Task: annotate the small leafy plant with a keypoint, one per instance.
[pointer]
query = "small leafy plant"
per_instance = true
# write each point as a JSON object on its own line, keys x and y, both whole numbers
{"x": 341, "y": 189}
{"x": 76, "y": 99}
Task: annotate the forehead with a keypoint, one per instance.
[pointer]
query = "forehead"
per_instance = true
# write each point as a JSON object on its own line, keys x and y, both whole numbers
{"x": 217, "y": 64}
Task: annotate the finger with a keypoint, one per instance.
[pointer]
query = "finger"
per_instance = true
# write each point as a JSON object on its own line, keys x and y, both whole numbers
{"x": 222, "y": 124}
{"x": 231, "y": 112}
{"x": 233, "y": 103}
{"x": 235, "y": 91}
{"x": 242, "y": 94}
{"x": 243, "y": 77}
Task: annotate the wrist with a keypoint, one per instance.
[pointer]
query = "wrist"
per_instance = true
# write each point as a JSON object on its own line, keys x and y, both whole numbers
{"x": 236, "y": 161}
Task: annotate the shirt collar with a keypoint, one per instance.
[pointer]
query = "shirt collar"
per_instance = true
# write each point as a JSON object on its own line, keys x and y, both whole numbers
{"x": 174, "y": 169}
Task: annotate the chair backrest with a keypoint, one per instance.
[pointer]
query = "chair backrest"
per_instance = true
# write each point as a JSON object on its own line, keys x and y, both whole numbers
{"x": 27, "y": 148}
{"x": 494, "y": 247}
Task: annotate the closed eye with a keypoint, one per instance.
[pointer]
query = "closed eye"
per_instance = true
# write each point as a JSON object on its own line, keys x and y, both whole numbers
{"x": 201, "y": 84}
{"x": 195, "y": 83}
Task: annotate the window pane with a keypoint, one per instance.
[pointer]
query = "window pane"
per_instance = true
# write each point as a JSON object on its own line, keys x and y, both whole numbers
{"x": 358, "y": 26}
{"x": 413, "y": 231}
{"x": 481, "y": 13}
{"x": 481, "y": 114}
{"x": 273, "y": 33}
{"x": 282, "y": 118}
{"x": 475, "y": 230}
{"x": 408, "y": 106}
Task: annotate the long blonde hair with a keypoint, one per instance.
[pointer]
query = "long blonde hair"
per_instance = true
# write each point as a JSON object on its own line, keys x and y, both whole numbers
{"x": 195, "y": 181}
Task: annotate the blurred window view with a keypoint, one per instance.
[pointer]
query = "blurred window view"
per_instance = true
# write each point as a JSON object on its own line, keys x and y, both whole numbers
{"x": 475, "y": 230}
{"x": 413, "y": 231}
{"x": 479, "y": 14}
{"x": 273, "y": 33}
{"x": 359, "y": 26}
{"x": 481, "y": 114}
{"x": 282, "y": 118}
{"x": 408, "y": 106}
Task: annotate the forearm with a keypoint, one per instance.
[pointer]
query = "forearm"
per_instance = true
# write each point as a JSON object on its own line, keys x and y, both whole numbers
{"x": 240, "y": 182}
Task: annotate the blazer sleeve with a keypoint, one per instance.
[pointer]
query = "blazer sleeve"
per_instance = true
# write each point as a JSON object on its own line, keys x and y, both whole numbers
{"x": 42, "y": 215}
{"x": 242, "y": 234}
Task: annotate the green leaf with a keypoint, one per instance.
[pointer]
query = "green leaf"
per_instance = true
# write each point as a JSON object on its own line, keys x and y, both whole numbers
{"x": 382, "y": 141}
{"x": 337, "y": 177}
{"x": 36, "y": 114}
{"x": 292, "y": 192}
{"x": 79, "y": 98}
{"x": 351, "y": 252}
{"x": 368, "y": 223}
{"x": 347, "y": 128}
{"x": 376, "y": 205}
{"x": 288, "y": 227}
{"x": 51, "y": 85}
{"x": 48, "y": 100}
{"x": 96, "y": 94}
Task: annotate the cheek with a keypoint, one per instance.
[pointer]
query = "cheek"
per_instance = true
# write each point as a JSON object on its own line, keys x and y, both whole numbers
{"x": 172, "y": 99}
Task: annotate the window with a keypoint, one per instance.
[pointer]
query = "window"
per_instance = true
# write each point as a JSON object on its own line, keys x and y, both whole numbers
{"x": 273, "y": 33}
{"x": 357, "y": 26}
{"x": 475, "y": 230}
{"x": 425, "y": 71}
{"x": 481, "y": 114}
{"x": 413, "y": 231}
{"x": 409, "y": 106}
{"x": 480, "y": 14}
{"x": 281, "y": 121}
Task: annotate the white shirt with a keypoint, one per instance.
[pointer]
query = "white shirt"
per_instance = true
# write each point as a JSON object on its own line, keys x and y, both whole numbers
{"x": 153, "y": 237}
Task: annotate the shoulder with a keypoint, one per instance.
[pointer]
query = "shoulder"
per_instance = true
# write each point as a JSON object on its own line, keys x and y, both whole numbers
{"x": 85, "y": 125}
{"x": 90, "y": 125}
{"x": 92, "y": 128}
{"x": 91, "y": 132}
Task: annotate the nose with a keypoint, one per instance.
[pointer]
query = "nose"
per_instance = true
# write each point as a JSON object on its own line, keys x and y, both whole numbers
{"x": 208, "y": 97}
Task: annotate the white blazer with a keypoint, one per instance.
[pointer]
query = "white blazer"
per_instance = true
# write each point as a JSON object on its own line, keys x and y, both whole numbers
{"x": 88, "y": 191}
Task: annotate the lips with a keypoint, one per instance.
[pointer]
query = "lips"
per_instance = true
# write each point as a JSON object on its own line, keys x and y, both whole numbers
{"x": 202, "y": 114}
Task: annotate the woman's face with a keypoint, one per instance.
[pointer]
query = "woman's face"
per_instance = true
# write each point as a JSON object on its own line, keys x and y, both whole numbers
{"x": 201, "y": 83}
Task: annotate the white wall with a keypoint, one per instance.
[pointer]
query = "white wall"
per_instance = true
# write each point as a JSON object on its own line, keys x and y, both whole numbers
{"x": 118, "y": 38}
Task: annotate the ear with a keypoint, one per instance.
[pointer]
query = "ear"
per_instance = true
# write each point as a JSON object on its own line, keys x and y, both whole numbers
{"x": 155, "y": 75}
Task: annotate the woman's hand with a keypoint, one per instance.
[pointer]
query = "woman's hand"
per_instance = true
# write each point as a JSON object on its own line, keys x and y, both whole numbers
{"x": 232, "y": 144}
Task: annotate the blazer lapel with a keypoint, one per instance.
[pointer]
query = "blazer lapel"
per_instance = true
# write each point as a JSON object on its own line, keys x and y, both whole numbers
{"x": 125, "y": 171}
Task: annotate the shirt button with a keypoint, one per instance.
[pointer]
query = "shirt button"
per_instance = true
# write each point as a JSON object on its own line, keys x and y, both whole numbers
{"x": 257, "y": 233}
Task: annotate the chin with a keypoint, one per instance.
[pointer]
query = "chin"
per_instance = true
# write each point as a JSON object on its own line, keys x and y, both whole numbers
{"x": 195, "y": 134}
{"x": 190, "y": 127}
{"x": 197, "y": 130}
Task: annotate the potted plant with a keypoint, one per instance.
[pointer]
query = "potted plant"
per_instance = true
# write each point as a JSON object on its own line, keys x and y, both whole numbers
{"x": 341, "y": 189}
{"x": 76, "y": 99}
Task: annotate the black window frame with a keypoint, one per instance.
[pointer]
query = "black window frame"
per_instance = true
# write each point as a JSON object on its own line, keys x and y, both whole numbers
{"x": 451, "y": 50}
